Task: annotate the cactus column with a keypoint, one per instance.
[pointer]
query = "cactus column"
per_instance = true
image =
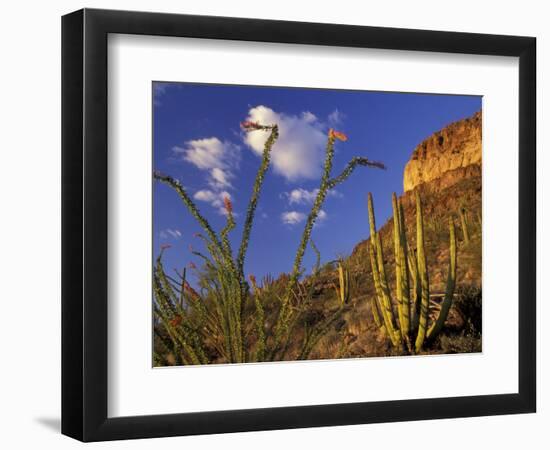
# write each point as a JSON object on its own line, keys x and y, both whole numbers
{"x": 413, "y": 316}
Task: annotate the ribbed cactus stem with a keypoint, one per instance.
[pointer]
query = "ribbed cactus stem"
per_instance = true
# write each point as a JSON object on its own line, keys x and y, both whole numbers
{"x": 375, "y": 312}
{"x": 400, "y": 271}
{"x": 406, "y": 299}
{"x": 379, "y": 273}
{"x": 416, "y": 288}
{"x": 437, "y": 326}
{"x": 343, "y": 278}
{"x": 397, "y": 251}
{"x": 423, "y": 275}
{"x": 377, "y": 299}
{"x": 464, "y": 224}
{"x": 413, "y": 309}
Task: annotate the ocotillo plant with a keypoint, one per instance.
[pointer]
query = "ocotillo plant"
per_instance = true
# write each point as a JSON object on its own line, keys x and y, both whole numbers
{"x": 215, "y": 325}
{"x": 413, "y": 305}
{"x": 282, "y": 327}
{"x": 226, "y": 289}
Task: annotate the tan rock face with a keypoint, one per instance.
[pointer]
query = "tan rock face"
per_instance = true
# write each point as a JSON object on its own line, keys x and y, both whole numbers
{"x": 454, "y": 147}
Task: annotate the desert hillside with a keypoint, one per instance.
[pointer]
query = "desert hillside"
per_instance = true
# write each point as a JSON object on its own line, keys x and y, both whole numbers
{"x": 334, "y": 312}
{"x": 446, "y": 169}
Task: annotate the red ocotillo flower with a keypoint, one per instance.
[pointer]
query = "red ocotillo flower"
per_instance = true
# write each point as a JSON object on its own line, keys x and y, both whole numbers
{"x": 333, "y": 134}
{"x": 176, "y": 320}
{"x": 192, "y": 265}
{"x": 228, "y": 205}
{"x": 248, "y": 125}
{"x": 165, "y": 246}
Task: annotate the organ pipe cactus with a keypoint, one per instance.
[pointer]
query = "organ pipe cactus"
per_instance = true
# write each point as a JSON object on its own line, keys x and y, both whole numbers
{"x": 343, "y": 288}
{"x": 464, "y": 225}
{"x": 436, "y": 327}
{"x": 412, "y": 305}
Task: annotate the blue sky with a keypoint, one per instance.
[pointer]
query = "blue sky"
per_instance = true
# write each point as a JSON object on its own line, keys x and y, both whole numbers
{"x": 197, "y": 139}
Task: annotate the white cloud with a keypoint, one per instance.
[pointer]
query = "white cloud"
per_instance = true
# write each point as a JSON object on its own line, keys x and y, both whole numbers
{"x": 336, "y": 117}
{"x": 219, "y": 159}
{"x": 215, "y": 199}
{"x": 309, "y": 117}
{"x": 170, "y": 233}
{"x": 292, "y": 217}
{"x": 205, "y": 195}
{"x": 209, "y": 153}
{"x": 219, "y": 178}
{"x": 302, "y": 196}
{"x": 299, "y": 151}
{"x": 159, "y": 89}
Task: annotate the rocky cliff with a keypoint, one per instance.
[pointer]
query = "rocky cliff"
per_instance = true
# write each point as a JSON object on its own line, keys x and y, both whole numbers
{"x": 446, "y": 170}
{"x": 449, "y": 155}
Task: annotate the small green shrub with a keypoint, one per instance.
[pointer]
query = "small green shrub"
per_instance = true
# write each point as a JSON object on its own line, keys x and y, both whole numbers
{"x": 461, "y": 343}
{"x": 468, "y": 301}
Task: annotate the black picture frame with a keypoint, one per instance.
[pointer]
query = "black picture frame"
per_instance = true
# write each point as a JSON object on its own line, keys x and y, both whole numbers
{"x": 84, "y": 224}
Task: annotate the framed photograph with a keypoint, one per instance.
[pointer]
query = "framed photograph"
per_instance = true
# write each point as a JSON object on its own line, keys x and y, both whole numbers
{"x": 273, "y": 225}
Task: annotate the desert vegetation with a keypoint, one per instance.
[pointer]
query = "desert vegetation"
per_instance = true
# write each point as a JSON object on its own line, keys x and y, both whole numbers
{"x": 412, "y": 303}
{"x": 226, "y": 321}
{"x": 343, "y": 308}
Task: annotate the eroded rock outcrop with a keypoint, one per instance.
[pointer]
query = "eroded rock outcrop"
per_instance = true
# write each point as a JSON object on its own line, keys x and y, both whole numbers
{"x": 452, "y": 149}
